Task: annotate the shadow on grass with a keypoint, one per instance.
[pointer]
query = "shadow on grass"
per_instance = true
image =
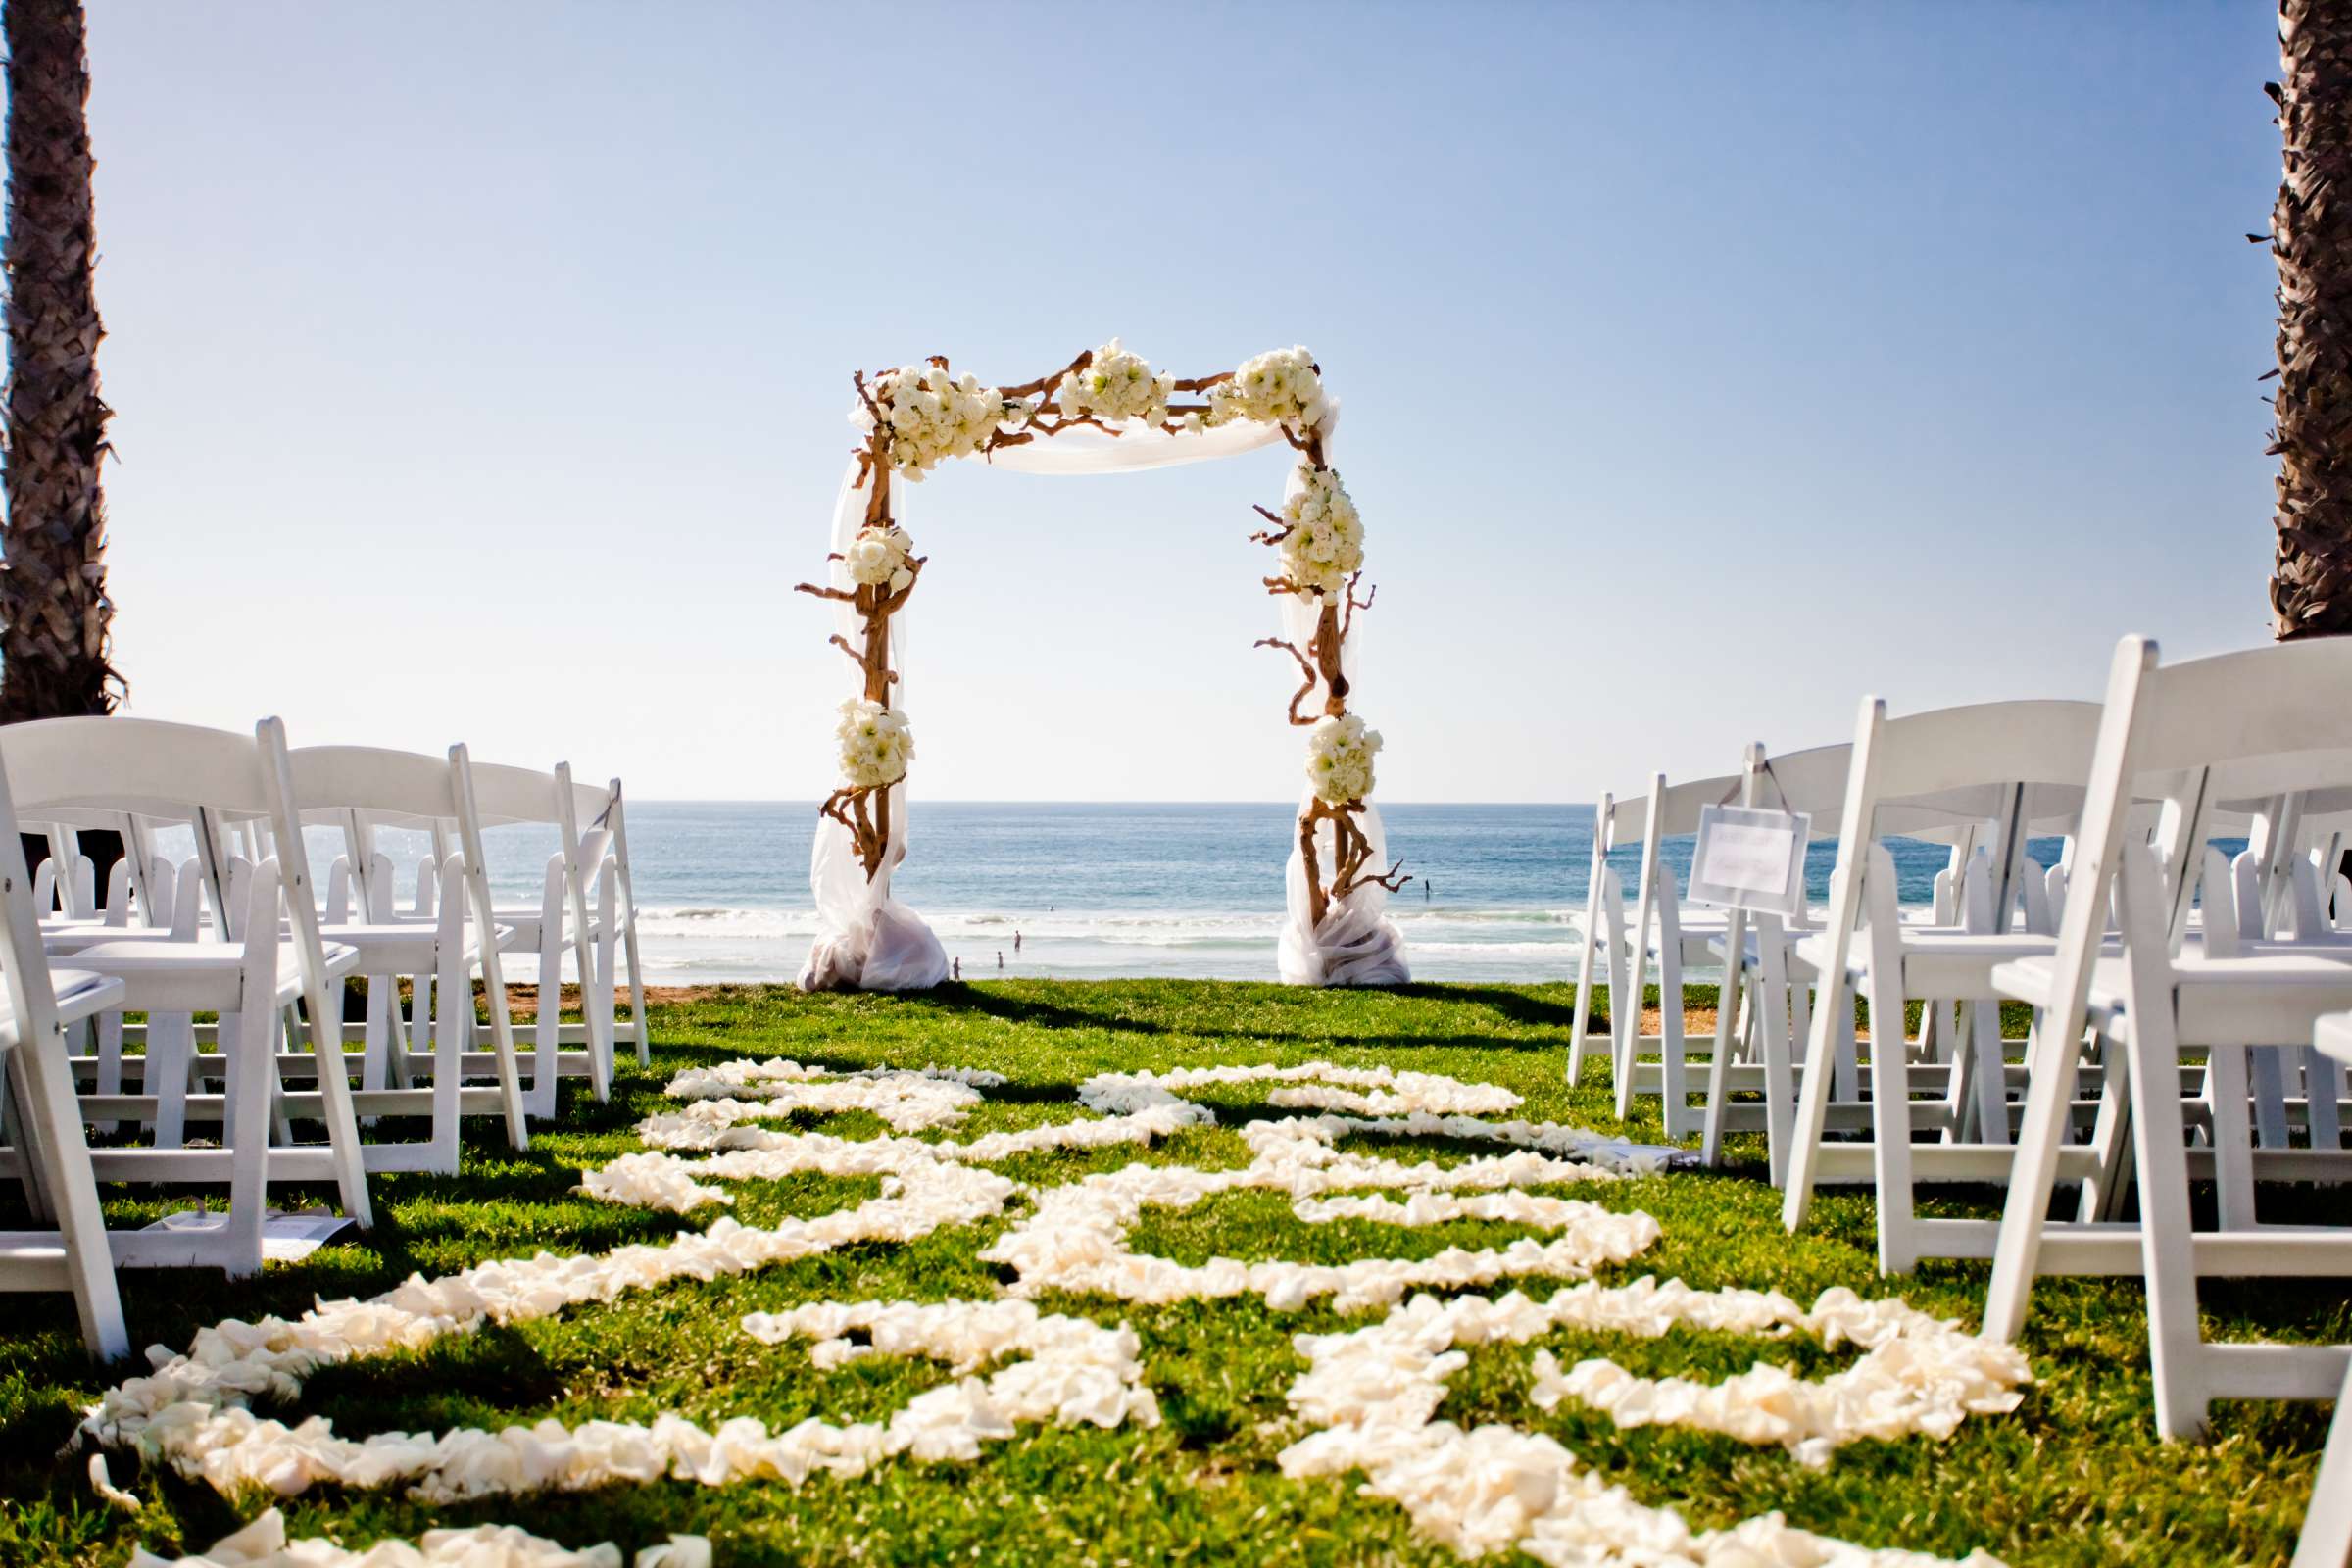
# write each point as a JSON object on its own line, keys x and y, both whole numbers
{"x": 956, "y": 996}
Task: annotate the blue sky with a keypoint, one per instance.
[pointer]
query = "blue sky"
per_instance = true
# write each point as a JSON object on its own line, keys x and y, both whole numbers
{"x": 480, "y": 370}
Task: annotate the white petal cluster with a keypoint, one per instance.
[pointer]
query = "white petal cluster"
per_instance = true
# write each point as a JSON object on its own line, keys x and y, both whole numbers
{"x": 264, "y": 1544}
{"x": 1325, "y": 544}
{"x": 1339, "y": 759}
{"x": 1075, "y": 1373}
{"x": 1281, "y": 386}
{"x": 877, "y": 557}
{"x": 876, "y": 744}
{"x": 1372, "y": 1393}
{"x": 1917, "y": 1375}
{"x": 193, "y": 1411}
{"x": 1328, "y": 1088}
{"x": 1117, "y": 385}
{"x": 932, "y": 415}
{"x": 1076, "y": 1238}
{"x": 910, "y": 1102}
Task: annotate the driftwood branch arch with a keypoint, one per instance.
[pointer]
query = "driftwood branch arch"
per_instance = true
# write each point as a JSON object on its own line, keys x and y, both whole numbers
{"x": 1111, "y": 411}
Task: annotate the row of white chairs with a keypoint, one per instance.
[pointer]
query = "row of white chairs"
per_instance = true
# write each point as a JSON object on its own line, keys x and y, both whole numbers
{"x": 2177, "y": 994}
{"x": 242, "y": 930}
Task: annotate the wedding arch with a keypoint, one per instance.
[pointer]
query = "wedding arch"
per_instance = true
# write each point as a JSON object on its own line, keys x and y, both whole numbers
{"x": 1107, "y": 411}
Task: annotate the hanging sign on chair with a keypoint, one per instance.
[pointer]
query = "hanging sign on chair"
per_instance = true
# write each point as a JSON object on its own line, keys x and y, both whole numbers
{"x": 1749, "y": 859}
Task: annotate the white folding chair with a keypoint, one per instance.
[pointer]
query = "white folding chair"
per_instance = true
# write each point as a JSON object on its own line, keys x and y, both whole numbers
{"x": 1662, "y": 930}
{"x": 51, "y": 1156}
{"x": 440, "y": 957}
{"x": 253, "y": 979}
{"x": 2006, "y": 764}
{"x": 1600, "y": 939}
{"x": 2268, "y": 723}
{"x": 562, "y": 922}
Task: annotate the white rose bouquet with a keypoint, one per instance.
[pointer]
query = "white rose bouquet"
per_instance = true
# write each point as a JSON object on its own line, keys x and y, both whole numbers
{"x": 1117, "y": 385}
{"x": 1278, "y": 387}
{"x": 1339, "y": 759}
{"x": 878, "y": 556}
{"x": 876, "y": 744}
{"x": 1325, "y": 544}
{"x": 932, "y": 415}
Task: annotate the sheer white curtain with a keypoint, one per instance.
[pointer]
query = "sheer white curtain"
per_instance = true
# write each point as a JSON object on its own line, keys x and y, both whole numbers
{"x": 868, "y": 940}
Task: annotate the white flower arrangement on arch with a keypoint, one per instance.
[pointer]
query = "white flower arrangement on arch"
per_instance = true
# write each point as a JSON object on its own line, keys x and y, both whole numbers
{"x": 1339, "y": 759}
{"x": 876, "y": 744}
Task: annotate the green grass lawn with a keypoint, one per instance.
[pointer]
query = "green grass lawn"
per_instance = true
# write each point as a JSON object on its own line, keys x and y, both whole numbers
{"x": 2075, "y": 1475}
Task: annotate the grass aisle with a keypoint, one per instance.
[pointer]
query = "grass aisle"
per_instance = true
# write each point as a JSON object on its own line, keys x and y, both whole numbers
{"x": 2075, "y": 1475}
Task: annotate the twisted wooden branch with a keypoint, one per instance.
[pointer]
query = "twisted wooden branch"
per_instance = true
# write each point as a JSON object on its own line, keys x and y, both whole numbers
{"x": 1305, "y": 667}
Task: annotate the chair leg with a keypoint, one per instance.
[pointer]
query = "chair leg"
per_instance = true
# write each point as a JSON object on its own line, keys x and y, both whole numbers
{"x": 1992, "y": 1072}
{"x": 2111, "y": 1137}
{"x": 2322, "y": 1075}
{"x": 453, "y": 1032}
{"x": 376, "y": 1036}
{"x": 171, "y": 1058}
{"x": 1731, "y": 1013}
{"x": 2326, "y": 1540}
{"x": 1889, "y": 1071}
{"x": 1588, "y": 963}
{"x": 1812, "y": 1100}
{"x": 252, "y": 1070}
{"x": 2167, "y": 1247}
{"x": 2232, "y": 1146}
{"x": 110, "y": 1060}
{"x": 547, "y": 1029}
{"x": 25, "y": 1133}
{"x": 52, "y": 1116}
{"x": 1787, "y": 1025}
{"x": 1674, "y": 1075}
{"x": 2268, "y": 1070}
{"x": 2032, "y": 1175}
{"x": 342, "y": 1125}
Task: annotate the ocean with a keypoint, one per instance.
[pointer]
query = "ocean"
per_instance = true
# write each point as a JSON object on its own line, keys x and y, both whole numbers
{"x": 1094, "y": 891}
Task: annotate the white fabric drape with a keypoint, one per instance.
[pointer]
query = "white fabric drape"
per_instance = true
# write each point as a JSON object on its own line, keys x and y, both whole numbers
{"x": 870, "y": 941}
{"x": 866, "y": 938}
{"x": 1355, "y": 944}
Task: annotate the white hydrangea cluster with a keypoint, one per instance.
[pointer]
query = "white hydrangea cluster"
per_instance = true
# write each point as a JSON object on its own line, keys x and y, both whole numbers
{"x": 1117, "y": 385}
{"x": 878, "y": 556}
{"x": 933, "y": 415}
{"x": 876, "y": 744}
{"x": 1325, "y": 545}
{"x": 1339, "y": 759}
{"x": 1281, "y": 386}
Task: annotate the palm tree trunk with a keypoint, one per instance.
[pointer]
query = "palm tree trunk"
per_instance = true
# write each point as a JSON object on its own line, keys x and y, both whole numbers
{"x": 54, "y": 612}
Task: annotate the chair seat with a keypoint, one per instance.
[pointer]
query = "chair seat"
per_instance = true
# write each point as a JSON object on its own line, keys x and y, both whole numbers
{"x": 65, "y": 938}
{"x": 404, "y": 947}
{"x": 79, "y": 994}
{"x": 2260, "y": 998}
{"x": 194, "y": 976}
{"x": 1941, "y": 962}
{"x": 1801, "y": 969}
